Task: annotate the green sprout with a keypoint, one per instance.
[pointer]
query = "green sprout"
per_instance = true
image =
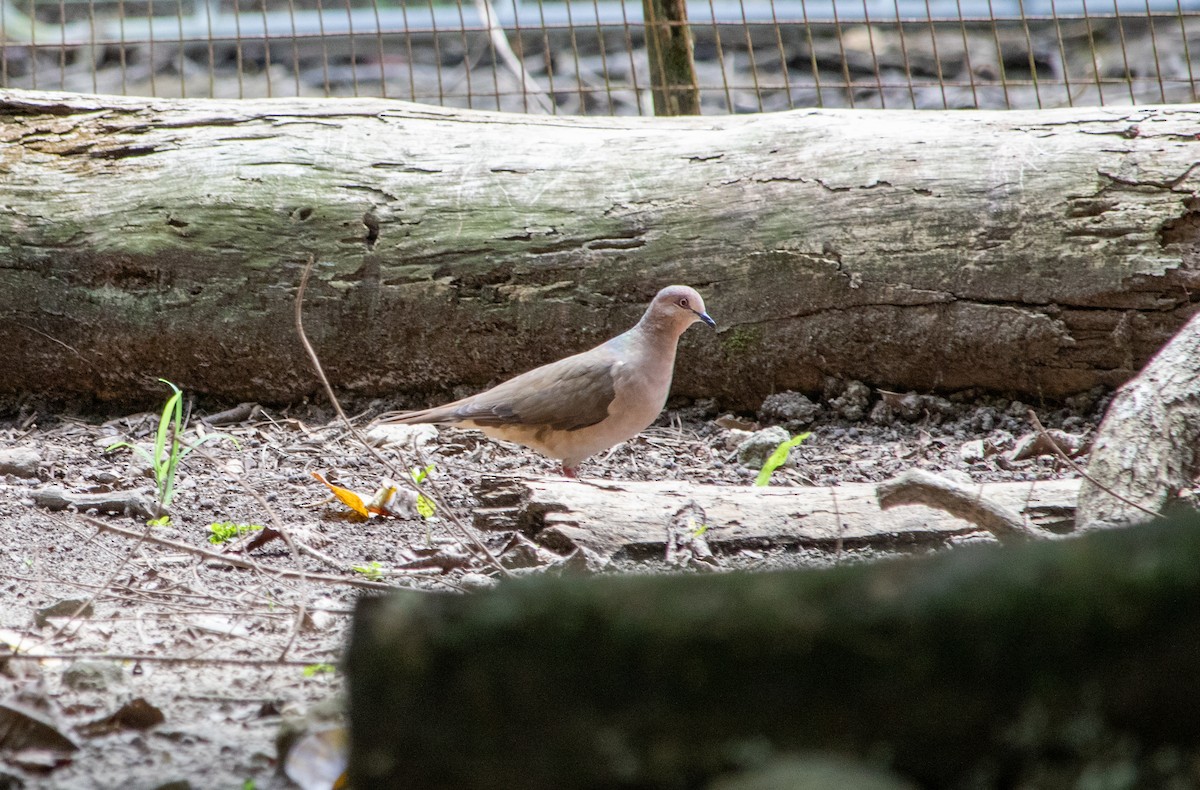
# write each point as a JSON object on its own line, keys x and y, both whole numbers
{"x": 224, "y": 531}
{"x": 425, "y": 506}
{"x": 168, "y": 450}
{"x": 312, "y": 670}
{"x": 778, "y": 458}
{"x": 373, "y": 571}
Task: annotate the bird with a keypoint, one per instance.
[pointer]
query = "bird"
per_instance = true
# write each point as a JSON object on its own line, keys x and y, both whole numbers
{"x": 585, "y": 403}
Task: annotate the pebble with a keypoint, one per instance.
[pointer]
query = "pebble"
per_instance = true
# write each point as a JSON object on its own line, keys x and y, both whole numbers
{"x": 88, "y": 675}
{"x": 20, "y": 462}
{"x": 754, "y": 449}
{"x": 789, "y": 407}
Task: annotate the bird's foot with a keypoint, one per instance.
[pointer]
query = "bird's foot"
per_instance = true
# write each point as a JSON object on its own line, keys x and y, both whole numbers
{"x": 569, "y": 471}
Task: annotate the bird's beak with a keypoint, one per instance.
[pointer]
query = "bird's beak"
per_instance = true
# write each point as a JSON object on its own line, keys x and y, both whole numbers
{"x": 705, "y": 318}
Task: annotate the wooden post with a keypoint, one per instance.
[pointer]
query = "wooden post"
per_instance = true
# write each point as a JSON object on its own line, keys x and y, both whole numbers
{"x": 669, "y": 47}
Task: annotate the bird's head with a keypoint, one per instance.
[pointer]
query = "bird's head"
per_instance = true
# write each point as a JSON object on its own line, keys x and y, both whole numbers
{"x": 678, "y": 306}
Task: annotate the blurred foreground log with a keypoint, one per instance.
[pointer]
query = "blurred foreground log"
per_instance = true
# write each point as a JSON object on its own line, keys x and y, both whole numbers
{"x": 1034, "y": 252}
{"x": 634, "y": 519}
{"x": 988, "y": 667}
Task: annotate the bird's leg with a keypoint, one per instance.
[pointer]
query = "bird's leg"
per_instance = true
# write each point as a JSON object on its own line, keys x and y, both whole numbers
{"x": 569, "y": 471}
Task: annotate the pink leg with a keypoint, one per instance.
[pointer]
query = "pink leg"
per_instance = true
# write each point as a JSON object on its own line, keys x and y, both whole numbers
{"x": 569, "y": 471}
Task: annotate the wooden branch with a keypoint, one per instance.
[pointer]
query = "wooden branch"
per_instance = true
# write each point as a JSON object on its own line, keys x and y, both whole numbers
{"x": 1030, "y": 252}
{"x": 635, "y": 518}
{"x": 920, "y": 487}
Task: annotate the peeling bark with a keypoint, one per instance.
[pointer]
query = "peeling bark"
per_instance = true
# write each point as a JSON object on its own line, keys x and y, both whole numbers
{"x": 1039, "y": 253}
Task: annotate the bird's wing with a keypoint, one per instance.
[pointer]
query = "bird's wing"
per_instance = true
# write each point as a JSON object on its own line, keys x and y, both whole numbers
{"x": 567, "y": 395}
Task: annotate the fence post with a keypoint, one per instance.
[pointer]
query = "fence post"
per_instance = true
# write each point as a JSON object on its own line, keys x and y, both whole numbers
{"x": 669, "y": 47}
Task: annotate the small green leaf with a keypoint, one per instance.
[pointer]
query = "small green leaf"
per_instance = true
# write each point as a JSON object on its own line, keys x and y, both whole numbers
{"x": 373, "y": 571}
{"x": 161, "y": 521}
{"x": 312, "y": 670}
{"x": 778, "y": 458}
{"x": 425, "y": 506}
{"x": 223, "y": 531}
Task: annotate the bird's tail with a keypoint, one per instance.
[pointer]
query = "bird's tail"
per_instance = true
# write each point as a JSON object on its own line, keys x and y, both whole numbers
{"x": 436, "y": 415}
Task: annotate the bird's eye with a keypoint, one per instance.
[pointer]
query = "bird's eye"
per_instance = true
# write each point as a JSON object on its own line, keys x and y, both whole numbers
{"x": 683, "y": 302}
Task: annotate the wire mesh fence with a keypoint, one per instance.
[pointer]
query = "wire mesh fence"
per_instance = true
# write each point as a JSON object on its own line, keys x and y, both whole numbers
{"x": 590, "y": 56}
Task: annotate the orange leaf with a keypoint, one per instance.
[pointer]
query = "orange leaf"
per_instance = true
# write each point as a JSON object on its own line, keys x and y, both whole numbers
{"x": 346, "y": 497}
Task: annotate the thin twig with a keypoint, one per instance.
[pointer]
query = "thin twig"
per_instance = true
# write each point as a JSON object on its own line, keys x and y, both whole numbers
{"x": 92, "y": 598}
{"x": 1037, "y": 424}
{"x": 397, "y": 475}
{"x": 237, "y": 562}
{"x": 161, "y": 659}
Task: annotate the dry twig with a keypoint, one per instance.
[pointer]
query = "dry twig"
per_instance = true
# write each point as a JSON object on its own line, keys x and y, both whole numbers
{"x": 468, "y": 535}
{"x": 919, "y": 487}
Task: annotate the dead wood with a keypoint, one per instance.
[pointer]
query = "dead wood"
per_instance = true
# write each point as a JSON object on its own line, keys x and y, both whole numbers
{"x": 638, "y": 518}
{"x": 1146, "y": 447}
{"x": 966, "y": 502}
{"x": 1034, "y": 252}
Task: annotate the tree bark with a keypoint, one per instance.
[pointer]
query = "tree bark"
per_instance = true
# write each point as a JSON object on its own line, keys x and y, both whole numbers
{"x": 1043, "y": 666}
{"x": 1039, "y": 253}
{"x": 1146, "y": 446}
{"x": 634, "y": 518}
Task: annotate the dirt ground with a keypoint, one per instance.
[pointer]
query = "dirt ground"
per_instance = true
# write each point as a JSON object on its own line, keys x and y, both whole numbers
{"x": 170, "y": 668}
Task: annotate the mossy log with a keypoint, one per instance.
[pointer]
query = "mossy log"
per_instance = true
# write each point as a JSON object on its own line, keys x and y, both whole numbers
{"x": 1039, "y": 253}
{"x": 1036, "y": 666}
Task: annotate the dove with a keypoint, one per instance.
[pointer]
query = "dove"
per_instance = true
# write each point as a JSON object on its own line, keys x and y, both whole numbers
{"x": 580, "y": 405}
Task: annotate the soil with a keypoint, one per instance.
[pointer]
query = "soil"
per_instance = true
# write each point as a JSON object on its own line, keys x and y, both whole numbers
{"x": 178, "y": 670}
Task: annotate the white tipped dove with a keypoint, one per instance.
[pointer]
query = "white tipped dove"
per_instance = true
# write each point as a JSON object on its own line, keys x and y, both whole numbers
{"x": 580, "y": 405}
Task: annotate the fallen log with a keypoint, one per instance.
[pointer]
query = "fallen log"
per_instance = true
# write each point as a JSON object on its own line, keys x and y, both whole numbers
{"x": 1144, "y": 458}
{"x": 636, "y": 518}
{"x": 1033, "y": 252}
{"x": 1044, "y": 665}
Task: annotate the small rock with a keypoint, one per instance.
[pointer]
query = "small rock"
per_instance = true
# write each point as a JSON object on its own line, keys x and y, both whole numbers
{"x": 910, "y": 407}
{"x": 20, "y": 461}
{"x": 852, "y": 403}
{"x": 734, "y": 437}
{"x": 983, "y": 419}
{"x": 882, "y": 413}
{"x": 758, "y": 446}
{"x": 972, "y": 452}
{"x": 64, "y": 608}
{"x": 402, "y": 435}
{"x": 1017, "y": 409}
{"x": 789, "y": 407}
{"x": 476, "y": 581}
{"x": 92, "y": 675}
